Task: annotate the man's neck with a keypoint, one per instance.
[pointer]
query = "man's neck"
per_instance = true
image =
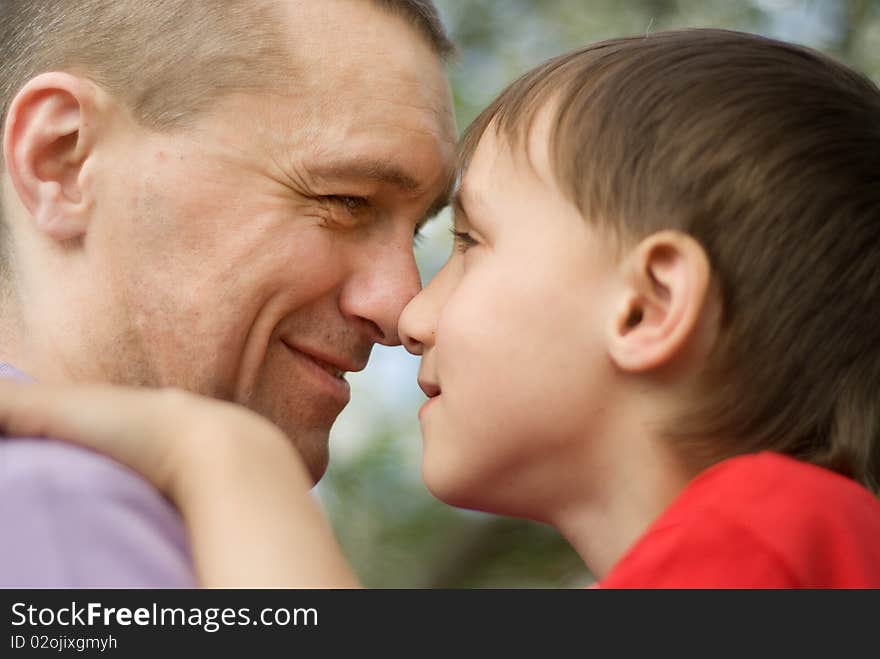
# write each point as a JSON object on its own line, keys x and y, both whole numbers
{"x": 31, "y": 350}
{"x": 11, "y": 348}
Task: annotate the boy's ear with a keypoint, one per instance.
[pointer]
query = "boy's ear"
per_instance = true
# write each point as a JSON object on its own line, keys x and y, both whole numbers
{"x": 49, "y": 136}
{"x": 665, "y": 283}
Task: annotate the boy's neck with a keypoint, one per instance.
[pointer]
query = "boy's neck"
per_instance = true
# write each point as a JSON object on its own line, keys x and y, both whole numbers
{"x": 643, "y": 477}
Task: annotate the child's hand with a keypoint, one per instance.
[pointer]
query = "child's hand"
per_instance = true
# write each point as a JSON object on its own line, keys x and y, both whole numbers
{"x": 156, "y": 432}
{"x": 236, "y": 478}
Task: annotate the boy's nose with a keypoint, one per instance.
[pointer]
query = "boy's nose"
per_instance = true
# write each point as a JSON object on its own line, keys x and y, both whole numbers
{"x": 413, "y": 328}
{"x": 417, "y": 323}
{"x": 417, "y": 327}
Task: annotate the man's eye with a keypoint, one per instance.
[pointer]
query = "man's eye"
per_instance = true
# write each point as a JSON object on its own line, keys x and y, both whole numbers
{"x": 463, "y": 240}
{"x": 352, "y": 205}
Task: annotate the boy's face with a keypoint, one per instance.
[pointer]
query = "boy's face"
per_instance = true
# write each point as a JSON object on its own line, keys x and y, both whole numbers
{"x": 511, "y": 336}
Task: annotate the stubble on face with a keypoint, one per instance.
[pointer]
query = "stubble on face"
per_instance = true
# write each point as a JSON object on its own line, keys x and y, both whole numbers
{"x": 230, "y": 251}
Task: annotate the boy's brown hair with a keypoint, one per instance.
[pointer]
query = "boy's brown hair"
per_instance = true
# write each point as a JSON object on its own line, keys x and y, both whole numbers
{"x": 769, "y": 155}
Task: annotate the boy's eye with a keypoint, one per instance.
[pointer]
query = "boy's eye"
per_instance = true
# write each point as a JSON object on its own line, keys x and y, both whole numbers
{"x": 463, "y": 240}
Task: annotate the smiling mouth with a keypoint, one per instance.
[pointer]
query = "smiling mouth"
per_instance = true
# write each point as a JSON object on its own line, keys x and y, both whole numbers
{"x": 330, "y": 368}
{"x": 327, "y": 367}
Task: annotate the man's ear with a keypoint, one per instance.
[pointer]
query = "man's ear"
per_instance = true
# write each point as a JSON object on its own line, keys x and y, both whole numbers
{"x": 49, "y": 136}
{"x": 665, "y": 283}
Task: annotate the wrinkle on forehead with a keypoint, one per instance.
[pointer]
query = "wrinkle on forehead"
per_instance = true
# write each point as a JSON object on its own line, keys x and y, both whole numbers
{"x": 352, "y": 50}
{"x": 368, "y": 85}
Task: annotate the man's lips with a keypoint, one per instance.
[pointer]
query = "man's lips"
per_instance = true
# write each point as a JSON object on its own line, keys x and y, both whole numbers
{"x": 335, "y": 365}
{"x": 325, "y": 379}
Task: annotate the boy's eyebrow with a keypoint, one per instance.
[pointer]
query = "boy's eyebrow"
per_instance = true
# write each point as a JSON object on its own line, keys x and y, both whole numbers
{"x": 469, "y": 205}
{"x": 458, "y": 202}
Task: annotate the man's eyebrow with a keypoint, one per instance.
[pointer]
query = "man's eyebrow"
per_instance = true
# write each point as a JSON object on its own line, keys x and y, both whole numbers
{"x": 387, "y": 172}
{"x": 383, "y": 171}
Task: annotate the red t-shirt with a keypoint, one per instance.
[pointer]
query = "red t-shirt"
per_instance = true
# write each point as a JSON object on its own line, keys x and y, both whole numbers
{"x": 759, "y": 521}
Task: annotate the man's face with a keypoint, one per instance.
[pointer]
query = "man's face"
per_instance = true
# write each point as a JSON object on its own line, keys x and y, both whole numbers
{"x": 258, "y": 253}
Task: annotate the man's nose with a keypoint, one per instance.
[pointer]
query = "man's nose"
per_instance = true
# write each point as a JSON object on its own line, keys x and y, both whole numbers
{"x": 384, "y": 281}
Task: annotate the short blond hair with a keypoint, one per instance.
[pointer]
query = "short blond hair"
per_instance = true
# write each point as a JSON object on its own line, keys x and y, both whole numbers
{"x": 167, "y": 59}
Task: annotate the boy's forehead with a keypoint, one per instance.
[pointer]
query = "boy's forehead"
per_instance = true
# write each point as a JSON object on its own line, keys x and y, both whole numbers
{"x": 488, "y": 173}
{"x": 503, "y": 169}
{"x": 501, "y": 153}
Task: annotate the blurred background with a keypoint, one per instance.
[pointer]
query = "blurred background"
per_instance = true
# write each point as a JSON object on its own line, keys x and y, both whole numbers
{"x": 395, "y": 532}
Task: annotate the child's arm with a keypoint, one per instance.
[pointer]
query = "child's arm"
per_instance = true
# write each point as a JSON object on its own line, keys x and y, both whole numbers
{"x": 237, "y": 479}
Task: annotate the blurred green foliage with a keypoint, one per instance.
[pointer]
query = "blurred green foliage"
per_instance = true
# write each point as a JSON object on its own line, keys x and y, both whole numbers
{"x": 397, "y": 535}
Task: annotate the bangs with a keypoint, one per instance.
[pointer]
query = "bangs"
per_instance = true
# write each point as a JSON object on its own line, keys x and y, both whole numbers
{"x": 557, "y": 83}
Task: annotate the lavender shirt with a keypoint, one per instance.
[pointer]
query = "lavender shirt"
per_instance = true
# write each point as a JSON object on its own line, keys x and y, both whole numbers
{"x": 70, "y": 518}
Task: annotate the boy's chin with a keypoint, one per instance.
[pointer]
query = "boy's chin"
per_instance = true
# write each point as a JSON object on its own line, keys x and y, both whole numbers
{"x": 458, "y": 487}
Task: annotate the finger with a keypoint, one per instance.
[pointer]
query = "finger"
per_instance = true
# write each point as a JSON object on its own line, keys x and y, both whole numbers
{"x": 34, "y": 410}
{"x": 99, "y": 417}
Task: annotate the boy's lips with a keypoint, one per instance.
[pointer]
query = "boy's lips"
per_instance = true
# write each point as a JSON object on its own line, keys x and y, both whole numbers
{"x": 427, "y": 404}
{"x": 431, "y": 390}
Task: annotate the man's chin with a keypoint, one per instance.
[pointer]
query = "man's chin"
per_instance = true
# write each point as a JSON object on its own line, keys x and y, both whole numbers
{"x": 314, "y": 448}
{"x": 306, "y": 421}
{"x": 317, "y": 463}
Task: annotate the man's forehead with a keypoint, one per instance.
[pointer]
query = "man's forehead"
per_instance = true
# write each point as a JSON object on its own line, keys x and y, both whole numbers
{"x": 397, "y": 146}
{"x": 355, "y": 64}
{"x": 321, "y": 29}
{"x": 370, "y": 100}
